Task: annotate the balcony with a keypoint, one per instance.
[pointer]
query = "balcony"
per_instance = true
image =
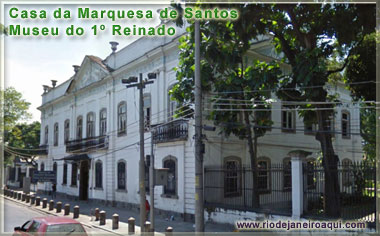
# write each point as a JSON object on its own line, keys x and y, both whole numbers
{"x": 43, "y": 150}
{"x": 87, "y": 144}
{"x": 173, "y": 131}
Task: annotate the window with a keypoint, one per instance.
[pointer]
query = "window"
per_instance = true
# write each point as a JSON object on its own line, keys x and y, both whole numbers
{"x": 90, "y": 125}
{"x": 347, "y": 177}
{"x": 34, "y": 227}
{"x": 310, "y": 179}
{"x": 287, "y": 166}
{"x": 67, "y": 131}
{"x": 74, "y": 174}
{"x": 263, "y": 174}
{"x": 330, "y": 127}
{"x": 172, "y": 105}
{"x": 232, "y": 177}
{"x": 346, "y": 132}
{"x": 55, "y": 170}
{"x": 56, "y": 134}
{"x": 171, "y": 186}
{"x": 121, "y": 176}
{"x": 147, "y": 112}
{"x": 98, "y": 174}
{"x": 103, "y": 122}
{"x": 288, "y": 119}
{"x": 310, "y": 128}
{"x": 79, "y": 127}
{"x": 122, "y": 118}
{"x": 64, "y": 176}
{"x": 46, "y": 134}
{"x": 42, "y": 166}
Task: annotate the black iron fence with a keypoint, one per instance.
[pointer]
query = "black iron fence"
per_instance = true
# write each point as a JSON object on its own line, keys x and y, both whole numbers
{"x": 87, "y": 144}
{"x": 357, "y": 187}
{"x": 232, "y": 188}
{"x": 173, "y": 131}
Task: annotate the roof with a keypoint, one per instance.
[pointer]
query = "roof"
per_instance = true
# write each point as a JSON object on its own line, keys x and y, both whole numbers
{"x": 99, "y": 61}
{"x": 54, "y": 220}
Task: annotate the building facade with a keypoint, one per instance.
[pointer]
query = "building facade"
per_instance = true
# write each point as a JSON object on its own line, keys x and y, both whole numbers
{"x": 89, "y": 125}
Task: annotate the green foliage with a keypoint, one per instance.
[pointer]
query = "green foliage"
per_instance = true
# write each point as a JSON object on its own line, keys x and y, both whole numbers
{"x": 368, "y": 132}
{"x": 23, "y": 136}
{"x": 15, "y": 108}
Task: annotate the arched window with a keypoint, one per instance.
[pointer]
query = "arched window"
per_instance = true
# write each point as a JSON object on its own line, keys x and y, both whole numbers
{"x": 346, "y": 132}
{"x": 79, "y": 127}
{"x": 98, "y": 174}
{"x": 56, "y": 133}
{"x": 310, "y": 167}
{"x": 263, "y": 174}
{"x": 172, "y": 104}
{"x": 232, "y": 176}
{"x": 42, "y": 166}
{"x": 46, "y": 134}
{"x": 74, "y": 174}
{"x": 90, "y": 125}
{"x": 64, "y": 176}
{"x": 287, "y": 171}
{"x": 55, "y": 170}
{"x": 147, "y": 112}
{"x": 122, "y": 118}
{"x": 103, "y": 122}
{"x": 121, "y": 175}
{"x": 170, "y": 189}
{"x": 67, "y": 130}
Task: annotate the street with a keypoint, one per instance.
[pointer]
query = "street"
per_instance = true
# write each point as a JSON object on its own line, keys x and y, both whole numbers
{"x": 16, "y": 215}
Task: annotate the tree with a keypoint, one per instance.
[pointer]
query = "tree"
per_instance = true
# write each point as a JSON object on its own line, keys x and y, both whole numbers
{"x": 23, "y": 140}
{"x": 361, "y": 68}
{"x": 15, "y": 108}
{"x": 308, "y": 36}
{"x": 226, "y": 72}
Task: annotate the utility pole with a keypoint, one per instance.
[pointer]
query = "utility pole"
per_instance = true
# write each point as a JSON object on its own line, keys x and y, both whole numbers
{"x": 140, "y": 86}
{"x": 199, "y": 210}
{"x": 377, "y": 194}
{"x": 151, "y": 182}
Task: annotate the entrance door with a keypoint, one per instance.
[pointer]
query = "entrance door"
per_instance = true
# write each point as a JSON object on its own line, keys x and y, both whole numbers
{"x": 83, "y": 182}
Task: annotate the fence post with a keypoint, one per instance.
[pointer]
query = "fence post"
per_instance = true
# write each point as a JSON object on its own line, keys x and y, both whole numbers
{"x": 76, "y": 212}
{"x": 102, "y": 220}
{"x": 67, "y": 209}
{"x": 297, "y": 158}
{"x": 51, "y": 205}
{"x": 59, "y": 207}
{"x": 115, "y": 221}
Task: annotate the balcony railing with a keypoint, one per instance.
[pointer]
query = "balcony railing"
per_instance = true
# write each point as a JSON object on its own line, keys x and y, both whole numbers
{"x": 173, "y": 131}
{"x": 87, "y": 144}
{"x": 43, "y": 150}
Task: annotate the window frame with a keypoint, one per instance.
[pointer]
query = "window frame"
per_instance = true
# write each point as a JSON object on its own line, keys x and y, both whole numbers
{"x": 74, "y": 175}
{"x": 56, "y": 134}
{"x": 90, "y": 125}
{"x": 66, "y": 131}
{"x": 122, "y": 125}
{"x": 79, "y": 128}
{"x": 172, "y": 105}
{"x": 235, "y": 177}
{"x": 288, "y": 111}
{"x": 46, "y": 135}
{"x": 103, "y": 122}
{"x": 347, "y": 134}
{"x": 119, "y": 177}
{"x": 98, "y": 174}
{"x": 171, "y": 194}
{"x": 268, "y": 176}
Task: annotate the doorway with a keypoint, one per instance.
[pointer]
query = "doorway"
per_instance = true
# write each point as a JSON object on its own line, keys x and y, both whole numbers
{"x": 83, "y": 182}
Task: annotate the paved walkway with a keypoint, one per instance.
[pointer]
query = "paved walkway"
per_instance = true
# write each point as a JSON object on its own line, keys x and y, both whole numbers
{"x": 161, "y": 222}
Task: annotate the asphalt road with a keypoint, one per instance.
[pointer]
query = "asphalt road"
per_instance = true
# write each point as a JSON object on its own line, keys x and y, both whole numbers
{"x": 16, "y": 215}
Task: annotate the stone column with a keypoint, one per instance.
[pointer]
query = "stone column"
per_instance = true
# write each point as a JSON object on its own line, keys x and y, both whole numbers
{"x": 297, "y": 160}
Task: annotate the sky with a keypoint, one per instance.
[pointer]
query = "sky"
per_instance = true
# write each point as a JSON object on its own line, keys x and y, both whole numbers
{"x": 31, "y": 62}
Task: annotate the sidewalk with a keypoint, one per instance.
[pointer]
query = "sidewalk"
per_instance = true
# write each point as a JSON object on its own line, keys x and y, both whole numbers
{"x": 161, "y": 222}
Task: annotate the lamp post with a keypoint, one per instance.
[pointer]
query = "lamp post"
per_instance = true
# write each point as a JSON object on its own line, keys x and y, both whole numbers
{"x": 132, "y": 82}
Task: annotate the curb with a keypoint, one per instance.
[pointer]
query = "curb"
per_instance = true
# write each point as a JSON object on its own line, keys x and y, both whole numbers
{"x": 51, "y": 213}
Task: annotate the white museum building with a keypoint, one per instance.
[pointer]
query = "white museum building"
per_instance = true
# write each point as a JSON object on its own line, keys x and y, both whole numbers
{"x": 90, "y": 129}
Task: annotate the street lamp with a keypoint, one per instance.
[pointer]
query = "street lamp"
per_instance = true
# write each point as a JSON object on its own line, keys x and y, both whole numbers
{"x": 132, "y": 82}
